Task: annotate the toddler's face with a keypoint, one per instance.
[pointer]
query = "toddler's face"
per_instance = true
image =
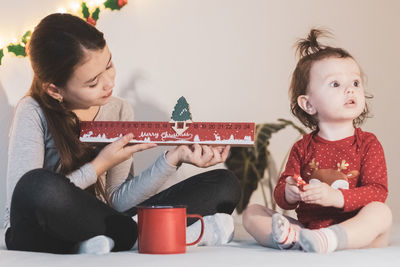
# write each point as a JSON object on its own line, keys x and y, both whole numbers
{"x": 336, "y": 90}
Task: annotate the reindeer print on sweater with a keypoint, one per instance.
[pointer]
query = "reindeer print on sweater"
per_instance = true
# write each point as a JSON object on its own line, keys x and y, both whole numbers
{"x": 333, "y": 177}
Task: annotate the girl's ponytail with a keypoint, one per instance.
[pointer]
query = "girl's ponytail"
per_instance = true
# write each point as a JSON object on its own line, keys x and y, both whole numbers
{"x": 310, "y": 45}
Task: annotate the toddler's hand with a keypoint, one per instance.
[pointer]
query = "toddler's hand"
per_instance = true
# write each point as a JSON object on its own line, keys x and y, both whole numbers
{"x": 322, "y": 194}
{"x": 292, "y": 191}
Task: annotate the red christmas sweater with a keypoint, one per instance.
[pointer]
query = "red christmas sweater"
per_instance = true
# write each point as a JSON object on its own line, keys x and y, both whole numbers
{"x": 361, "y": 154}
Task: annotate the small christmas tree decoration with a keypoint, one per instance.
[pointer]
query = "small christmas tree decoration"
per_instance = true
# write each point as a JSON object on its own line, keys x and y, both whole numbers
{"x": 181, "y": 116}
{"x": 181, "y": 110}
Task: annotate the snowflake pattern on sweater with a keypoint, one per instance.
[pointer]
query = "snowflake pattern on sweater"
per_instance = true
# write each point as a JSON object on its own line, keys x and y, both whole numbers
{"x": 361, "y": 153}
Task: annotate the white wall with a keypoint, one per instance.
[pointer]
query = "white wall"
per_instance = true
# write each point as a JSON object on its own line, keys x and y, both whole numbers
{"x": 231, "y": 59}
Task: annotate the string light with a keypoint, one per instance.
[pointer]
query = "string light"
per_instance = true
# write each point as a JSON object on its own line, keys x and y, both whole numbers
{"x": 87, "y": 9}
{"x": 61, "y": 10}
{"x": 91, "y": 4}
{"x": 74, "y": 6}
{"x": 100, "y": 4}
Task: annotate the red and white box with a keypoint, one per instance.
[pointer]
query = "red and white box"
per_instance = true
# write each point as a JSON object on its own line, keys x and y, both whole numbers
{"x": 166, "y": 133}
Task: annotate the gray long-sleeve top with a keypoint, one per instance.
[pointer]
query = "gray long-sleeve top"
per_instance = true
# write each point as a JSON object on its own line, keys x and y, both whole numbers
{"x": 31, "y": 146}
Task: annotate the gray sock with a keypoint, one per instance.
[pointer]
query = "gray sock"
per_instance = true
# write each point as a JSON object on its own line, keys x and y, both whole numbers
{"x": 323, "y": 240}
{"x": 341, "y": 236}
{"x": 284, "y": 234}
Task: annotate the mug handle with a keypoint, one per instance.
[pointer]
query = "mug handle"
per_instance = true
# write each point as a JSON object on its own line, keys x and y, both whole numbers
{"x": 202, "y": 227}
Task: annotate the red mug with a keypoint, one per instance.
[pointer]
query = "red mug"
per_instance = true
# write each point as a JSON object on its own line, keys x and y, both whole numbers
{"x": 162, "y": 229}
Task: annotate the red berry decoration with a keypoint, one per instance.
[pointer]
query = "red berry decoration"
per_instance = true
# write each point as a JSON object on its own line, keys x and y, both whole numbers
{"x": 91, "y": 21}
{"x": 121, "y": 3}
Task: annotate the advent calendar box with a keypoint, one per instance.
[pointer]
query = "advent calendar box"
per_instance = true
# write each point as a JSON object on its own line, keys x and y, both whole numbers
{"x": 180, "y": 130}
{"x": 165, "y": 133}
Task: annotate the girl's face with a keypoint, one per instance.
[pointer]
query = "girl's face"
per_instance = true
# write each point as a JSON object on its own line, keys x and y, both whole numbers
{"x": 92, "y": 82}
{"x": 336, "y": 91}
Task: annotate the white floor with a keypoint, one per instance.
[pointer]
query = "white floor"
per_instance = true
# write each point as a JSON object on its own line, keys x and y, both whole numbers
{"x": 242, "y": 252}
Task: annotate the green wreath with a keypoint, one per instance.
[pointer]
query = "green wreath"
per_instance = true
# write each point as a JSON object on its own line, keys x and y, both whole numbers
{"x": 18, "y": 48}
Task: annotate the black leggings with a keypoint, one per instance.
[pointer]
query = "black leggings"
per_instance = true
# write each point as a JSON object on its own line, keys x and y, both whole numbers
{"x": 50, "y": 214}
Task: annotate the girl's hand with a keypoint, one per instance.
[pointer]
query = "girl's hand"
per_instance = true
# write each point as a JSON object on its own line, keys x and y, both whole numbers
{"x": 292, "y": 191}
{"x": 322, "y": 194}
{"x": 117, "y": 152}
{"x": 198, "y": 155}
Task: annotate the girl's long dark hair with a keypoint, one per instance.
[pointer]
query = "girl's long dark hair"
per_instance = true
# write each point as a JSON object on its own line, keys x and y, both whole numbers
{"x": 56, "y": 47}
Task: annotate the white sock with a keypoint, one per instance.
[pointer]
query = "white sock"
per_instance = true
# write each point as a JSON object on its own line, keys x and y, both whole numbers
{"x": 100, "y": 244}
{"x": 323, "y": 240}
{"x": 284, "y": 234}
{"x": 218, "y": 230}
{"x": 135, "y": 246}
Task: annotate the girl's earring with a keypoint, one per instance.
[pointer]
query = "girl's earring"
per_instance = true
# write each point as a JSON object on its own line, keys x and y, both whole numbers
{"x": 60, "y": 99}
